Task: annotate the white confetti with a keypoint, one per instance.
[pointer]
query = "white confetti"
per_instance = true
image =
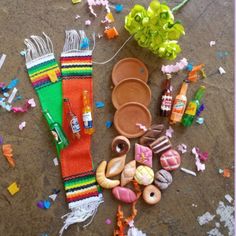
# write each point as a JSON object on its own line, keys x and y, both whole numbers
{"x": 32, "y": 102}
{"x": 217, "y": 224}
{"x": 188, "y": 171}
{"x": 199, "y": 165}
{"x": 169, "y": 132}
{"x": 215, "y": 232}
{"x": 205, "y": 218}
{"x": 221, "y": 171}
{"x": 22, "y": 125}
{"x": 212, "y": 43}
{"x": 87, "y": 22}
{"x": 12, "y": 96}
{"x": 182, "y": 148}
{"x": 77, "y": 17}
{"x": 53, "y": 197}
{"x": 221, "y": 70}
{"x": 229, "y": 198}
{"x": 55, "y": 161}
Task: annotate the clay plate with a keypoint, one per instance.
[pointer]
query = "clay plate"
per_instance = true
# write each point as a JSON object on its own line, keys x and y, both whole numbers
{"x": 129, "y": 68}
{"x": 131, "y": 90}
{"x": 128, "y": 115}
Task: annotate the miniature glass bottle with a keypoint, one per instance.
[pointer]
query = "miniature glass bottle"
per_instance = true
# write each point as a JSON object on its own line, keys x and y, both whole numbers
{"x": 192, "y": 107}
{"x": 74, "y": 123}
{"x": 166, "y": 98}
{"x": 179, "y": 104}
{"x": 87, "y": 114}
{"x": 56, "y": 130}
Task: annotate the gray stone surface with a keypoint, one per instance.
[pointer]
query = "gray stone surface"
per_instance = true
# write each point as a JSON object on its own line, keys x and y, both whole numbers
{"x": 33, "y": 147}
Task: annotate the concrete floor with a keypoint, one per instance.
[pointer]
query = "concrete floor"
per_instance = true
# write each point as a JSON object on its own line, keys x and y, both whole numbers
{"x": 33, "y": 147}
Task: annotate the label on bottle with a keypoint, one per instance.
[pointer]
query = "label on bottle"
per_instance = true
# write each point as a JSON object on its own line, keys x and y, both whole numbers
{"x": 166, "y": 103}
{"x": 56, "y": 136}
{"x": 191, "y": 109}
{"x": 179, "y": 106}
{"x": 74, "y": 124}
{"x": 87, "y": 119}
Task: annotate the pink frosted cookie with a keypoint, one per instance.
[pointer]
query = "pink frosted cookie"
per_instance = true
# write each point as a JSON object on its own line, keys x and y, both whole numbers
{"x": 170, "y": 160}
{"x": 143, "y": 155}
{"x": 144, "y": 175}
{"x": 123, "y": 194}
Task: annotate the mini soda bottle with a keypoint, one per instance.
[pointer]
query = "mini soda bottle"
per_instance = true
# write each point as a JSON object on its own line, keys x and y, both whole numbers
{"x": 166, "y": 98}
{"x": 87, "y": 114}
{"x": 56, "y": 130}
{"x": 192, "y": 107}
{"x": 74, "y": 123}
{"x": 179, "y": 104}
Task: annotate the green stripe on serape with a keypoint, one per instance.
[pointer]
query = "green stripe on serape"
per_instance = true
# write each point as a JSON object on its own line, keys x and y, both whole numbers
{"x": 81, "y": 184}
{"x": 80, "y": 180}
{"x": 42, "y": 67}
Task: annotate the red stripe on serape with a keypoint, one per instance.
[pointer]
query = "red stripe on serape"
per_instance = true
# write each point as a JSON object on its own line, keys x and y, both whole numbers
{"x": 81, "y": 196}
{"x": 88, "y": 173}
{"x": 80, "y": 58}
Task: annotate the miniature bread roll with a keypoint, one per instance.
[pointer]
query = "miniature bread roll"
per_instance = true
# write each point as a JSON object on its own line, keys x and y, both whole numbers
{"x": 170, "y": 160}
{"x": 143, "y": 155}
{"x": 120, "y": 145}
{"x": 123, "y": 194}
{"x": 151, "y": 194}
{"x": 115, "y": 166}
{"x": 101, "y": 178}
{"x": 128, "y": 173}
{"x": 163, "y": 179}
{"x": 144, "y": 175}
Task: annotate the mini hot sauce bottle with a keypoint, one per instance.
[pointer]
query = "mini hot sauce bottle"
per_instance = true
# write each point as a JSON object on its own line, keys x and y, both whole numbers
{"x": 87, "y": 114}
{"x": 57, "y": 131}
{"x": 192, "y": 107}
{"x": 179, "y": 104}
{"x": 74, "y": 123}
{"x": 166, "y": 98}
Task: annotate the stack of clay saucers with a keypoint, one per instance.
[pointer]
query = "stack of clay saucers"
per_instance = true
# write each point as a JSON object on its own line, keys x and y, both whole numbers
{"x": 131, "y": 97}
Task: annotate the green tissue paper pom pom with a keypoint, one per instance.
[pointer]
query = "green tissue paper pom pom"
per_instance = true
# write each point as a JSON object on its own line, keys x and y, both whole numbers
{"x": 154, "y": 28}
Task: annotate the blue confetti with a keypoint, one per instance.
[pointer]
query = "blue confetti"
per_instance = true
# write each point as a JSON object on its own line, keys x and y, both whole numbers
{"x": 200, "y": 120}
{"x": 46, "y": 204}
{"x": 22, "y": 53}
{"x": 1, "y": 140}
{"x": 99, "y": 104}
{"x": 189, "y": 67}
{"x": 85, "y": 43}
{"x": 6, "y": 95}
{"x": 108, "y": 124}
{"x": 222, "y": 54}
{"x": 118, "y": 8}
{"x": 11, "y": 85}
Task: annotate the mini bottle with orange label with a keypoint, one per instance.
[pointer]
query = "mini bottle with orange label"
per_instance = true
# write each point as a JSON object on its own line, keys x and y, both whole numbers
{"x": 179, "y": 104}
{"x": 192, "y": 107}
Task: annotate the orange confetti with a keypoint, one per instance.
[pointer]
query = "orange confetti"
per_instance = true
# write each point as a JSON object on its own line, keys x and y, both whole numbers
{"x": 226, "y": 173}
{"x": 7, "y": 152}
{"x": 111, "y": 33}
{"x": 192, "y": 76}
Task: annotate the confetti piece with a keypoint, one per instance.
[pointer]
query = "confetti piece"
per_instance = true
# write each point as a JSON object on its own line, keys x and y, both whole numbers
{"x": 99, "y": 36}
{"x": 99, "y": 104}
{"x": 6, "y": 95}
{"x": 182, "y": 148}
{"x": 200, "y": 120}
{"x": 199, "y": 165}
{"x": 12, "y": 96}
{"x": 13, "y": 188}
{"x": 10, "y": 86}
{"x": 87, "y": 22}
{"x": 17, "y": 98}
{"x": 189, "y": 67}
{"x": 108, "y": 221}
{"x": 226, "y": 173}
{"x": 55, "y": 161}
{"x": 22, "y": 125}
{"x": 1, "y": 140}
{"x": 194, "y": 205}
{"x": 56, "y": 191}
{"x": 7, "y": 152}
{"x": 220, "y": 171}
{"x": 110, "y": 18}
{"x": 217, "y": 224}
{"x": 53, "y": 196}
{"x": 76, "y": 1}
{"x": 31, "y": 102}
{"x": 212, "y": 43}
{"x": 40, "y": 204}
{"x": 108, "y": 124}
{"x": 119, "y": 8}
{"x": 142, "y": 127}
{"x": 205, "y": 218}
{"x": 228, "y": 198}
{"x": 2, "y": 59}
{"x": 168, "y": 69}
{"x": 111, "y": 33}
{"x": 203, "y": 156}
{"x": 77, "y": 17}
{"x": 222, "y": 54}
{"x": 221, "y": 70}
{"x": 188, "y": 171}
{"x": 23, "y": 53}
{"x": 169, "y": 132}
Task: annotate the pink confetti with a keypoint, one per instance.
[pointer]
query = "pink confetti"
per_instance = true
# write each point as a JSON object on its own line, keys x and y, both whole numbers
{"x": 93, "y": 3}
{"x": 182, "y": 148}
{"x": 29, "y": 103}
{"x": 108, "y": 221}
{"x": 199, "y": 165}
{"x": 22, "y": 125}
{"x": 87, "y": 22}
{"x": 169, "y": 132}
{"x": 142, "y": 127}
{"x": 174, "y": 68}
